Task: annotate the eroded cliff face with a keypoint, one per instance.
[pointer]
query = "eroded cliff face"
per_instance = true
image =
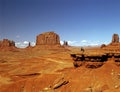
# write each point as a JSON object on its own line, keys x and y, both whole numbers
{"x": 7, "y": 45}
{"x": 48, "y": 38}
{"x": 115, "y": 38}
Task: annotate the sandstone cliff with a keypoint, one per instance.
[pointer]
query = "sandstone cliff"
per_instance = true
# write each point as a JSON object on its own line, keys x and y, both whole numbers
{"x": 48, "y": 38}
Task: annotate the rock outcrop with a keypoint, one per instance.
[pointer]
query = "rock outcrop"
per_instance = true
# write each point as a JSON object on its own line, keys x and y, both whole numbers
{"x": 115, "y": 38}
{"x": 48, "y": 38}
{"x": 65, "y": 43}
{"x": 49, "y": 41}
{"x": 103, "y": 45}
{"x": 114, "y": 45}
{"x": 7, "y": 43}
{"x": 29, "y": 45}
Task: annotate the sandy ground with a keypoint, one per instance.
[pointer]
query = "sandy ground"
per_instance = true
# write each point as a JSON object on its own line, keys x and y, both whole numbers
{"x": 53, "y": 71}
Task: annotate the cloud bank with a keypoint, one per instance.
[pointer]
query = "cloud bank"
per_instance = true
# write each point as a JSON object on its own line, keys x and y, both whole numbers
{"x": 24, "y": 44}
{"x": 86, "y": 43}
{"x": 71, "y": 43}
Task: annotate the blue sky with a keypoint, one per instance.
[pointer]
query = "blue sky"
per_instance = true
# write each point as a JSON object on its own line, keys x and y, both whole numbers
{"x": 80, "y": 22}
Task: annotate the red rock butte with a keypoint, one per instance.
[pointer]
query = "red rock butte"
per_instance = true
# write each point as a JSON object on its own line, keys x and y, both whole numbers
{"x": 115, "y": 38}
{"x": 6, "y": 44}
{"x": 51, "y": 70}
{"x": 48, "y": 38}
{"x": 114, "y": 45}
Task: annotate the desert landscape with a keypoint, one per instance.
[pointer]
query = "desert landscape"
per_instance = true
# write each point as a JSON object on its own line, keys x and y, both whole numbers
{"x": 48, "y": 67}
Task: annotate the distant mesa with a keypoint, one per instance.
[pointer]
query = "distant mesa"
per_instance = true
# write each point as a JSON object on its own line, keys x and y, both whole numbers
{"x": 48, "y": 38}
{"x": 114, "y": 45}
{"x": 6, "y": 44}
{"x": 65, "y": 43}
{"x": 49, "y": 41}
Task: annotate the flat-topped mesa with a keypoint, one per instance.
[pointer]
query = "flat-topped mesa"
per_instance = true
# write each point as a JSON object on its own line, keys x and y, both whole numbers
{"x": 48, "y": 38}
{"x": 7, "y": 43}
{"x": 115, "y": 38}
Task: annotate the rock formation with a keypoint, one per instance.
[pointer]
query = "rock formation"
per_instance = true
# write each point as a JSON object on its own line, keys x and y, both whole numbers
{"x": 65, "y": 43}
{"x": 7, "y": 43}
{"x": 48, "y": 38}
{"x": 29, "y": 45}
{"x": 103, "y": 45}
{"x": 115, "y": 38}
{"x": 114, "y": 45}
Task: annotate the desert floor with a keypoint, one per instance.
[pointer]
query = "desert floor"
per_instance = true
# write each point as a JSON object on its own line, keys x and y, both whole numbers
{"x": 34, "y": 70}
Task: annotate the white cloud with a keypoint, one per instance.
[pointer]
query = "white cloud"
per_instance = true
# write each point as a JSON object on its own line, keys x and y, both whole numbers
{"x": 91, "y": 43}
{"x": 32, "y": 43}
{"x": 25, "y": 42}
{"x": 17, "y": 43}
{"x": 84, "y": 41}
{"x": 72, "y": 42}
{"x": 20, "y": 45}
{"x": 61, "y": 42}
{"x": 94, "y": 44}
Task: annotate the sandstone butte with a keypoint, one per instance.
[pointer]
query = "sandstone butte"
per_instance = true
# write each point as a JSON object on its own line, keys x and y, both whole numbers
{"x": 48, "y": 38}
{"x": 6, "y": 44}
{"x": 114, "y": 45}
{"x": 46, "y": 70}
